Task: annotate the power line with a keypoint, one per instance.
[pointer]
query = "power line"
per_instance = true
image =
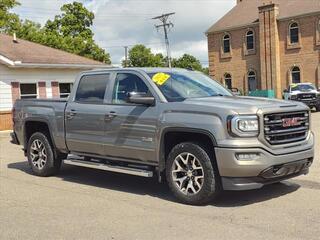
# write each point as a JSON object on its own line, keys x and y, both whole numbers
{"x": 165, "y": 25}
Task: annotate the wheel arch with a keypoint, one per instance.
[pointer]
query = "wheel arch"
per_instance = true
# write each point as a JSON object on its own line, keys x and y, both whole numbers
{"x": 181, "y": 132}
{"x": 42, "y": 125}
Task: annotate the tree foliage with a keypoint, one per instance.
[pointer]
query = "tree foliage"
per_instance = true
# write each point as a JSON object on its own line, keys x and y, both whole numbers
{"x": 187, "y": 61}
{"x": 70, "y": 31}
{"x": 141, "y": 56}
{"x": 9, "y": 22}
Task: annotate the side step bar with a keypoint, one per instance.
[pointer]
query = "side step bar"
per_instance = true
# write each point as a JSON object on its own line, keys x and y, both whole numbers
{"x": 111, "y": 168}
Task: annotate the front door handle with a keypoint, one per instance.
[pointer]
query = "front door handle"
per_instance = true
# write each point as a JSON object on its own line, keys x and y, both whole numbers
{"x": 71, "y": 114}
{"x": 109, "y": 116}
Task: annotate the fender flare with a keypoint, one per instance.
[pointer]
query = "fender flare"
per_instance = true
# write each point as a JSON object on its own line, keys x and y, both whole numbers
{"x": 161, "y": 154}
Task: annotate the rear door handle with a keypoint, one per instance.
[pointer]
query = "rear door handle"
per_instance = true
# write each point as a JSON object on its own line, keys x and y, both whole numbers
{"x": 71, "y": 114}
{"x": 111, "y": 115}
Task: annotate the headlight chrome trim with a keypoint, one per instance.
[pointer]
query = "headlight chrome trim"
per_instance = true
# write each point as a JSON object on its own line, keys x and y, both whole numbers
{"x": 234, "y": 126}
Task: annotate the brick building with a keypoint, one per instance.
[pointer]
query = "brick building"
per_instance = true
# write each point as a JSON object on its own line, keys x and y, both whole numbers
{"x": 30, "y": 70}
{"x": 266, "y": 44}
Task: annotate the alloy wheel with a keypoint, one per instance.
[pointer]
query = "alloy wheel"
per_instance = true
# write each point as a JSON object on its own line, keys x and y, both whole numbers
{"x": 38, "y": 154}
{"x": 187, "y": 173}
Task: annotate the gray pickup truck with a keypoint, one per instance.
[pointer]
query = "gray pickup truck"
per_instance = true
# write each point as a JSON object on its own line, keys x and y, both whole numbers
{"x": 175, "y": 124}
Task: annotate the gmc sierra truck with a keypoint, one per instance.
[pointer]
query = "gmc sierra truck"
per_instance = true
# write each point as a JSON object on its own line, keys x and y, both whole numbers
{"x": 170, "y": 123}
{"x": 305, "y": 93}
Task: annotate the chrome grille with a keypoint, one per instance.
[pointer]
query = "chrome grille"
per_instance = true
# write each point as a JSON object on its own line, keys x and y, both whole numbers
{"x": 282, "y": 128}
{"x": 306, "y": 96}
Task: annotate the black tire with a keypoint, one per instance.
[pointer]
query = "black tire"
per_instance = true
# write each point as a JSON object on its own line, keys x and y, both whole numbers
{"x": 51, "y": 165}
{"x": 211, "y": 181}
{"x": 318, "y": 108}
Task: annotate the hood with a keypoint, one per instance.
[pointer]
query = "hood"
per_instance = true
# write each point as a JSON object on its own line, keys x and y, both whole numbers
{"x": 240, "y": 104}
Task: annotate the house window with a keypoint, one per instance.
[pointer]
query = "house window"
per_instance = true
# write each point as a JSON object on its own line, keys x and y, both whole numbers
{"x": 252, "y": 81}
{"x": 28, "y": 90}
{"x": 295, "y": 75}
{"x": 65, "y": 89}
{"x": 294, "y": 33}
{"x": 228, "y": 80}
{"x": 226, "y": 43}
{"x": 250, "y": 40}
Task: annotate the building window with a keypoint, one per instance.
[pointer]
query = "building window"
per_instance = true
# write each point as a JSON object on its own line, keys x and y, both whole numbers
{"x": 295, "y": 75}
{"x": 28, "y": 90}
{"x": 294, "y": 33}
{"x": 228, "y": 80}
{"x": 226, "y": 43}
{"x": 252, "y": 81}
{"x": 250, "y": 40}
{"x": 65, "y": 89}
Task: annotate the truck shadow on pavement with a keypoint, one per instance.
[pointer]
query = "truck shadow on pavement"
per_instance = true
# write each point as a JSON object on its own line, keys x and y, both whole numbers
{"x": 151, "y": 187}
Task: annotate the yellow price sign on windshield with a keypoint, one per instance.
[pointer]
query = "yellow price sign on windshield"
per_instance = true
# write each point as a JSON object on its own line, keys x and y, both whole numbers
{"x": 160, "y": 78}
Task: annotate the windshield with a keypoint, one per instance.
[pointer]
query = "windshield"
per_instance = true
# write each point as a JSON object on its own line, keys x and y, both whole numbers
{"x": 302, "y": 87}
{"x": 178, "y": 86}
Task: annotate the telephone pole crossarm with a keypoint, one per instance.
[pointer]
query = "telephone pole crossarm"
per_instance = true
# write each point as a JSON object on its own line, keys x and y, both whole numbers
{"x": 165, "y": 25}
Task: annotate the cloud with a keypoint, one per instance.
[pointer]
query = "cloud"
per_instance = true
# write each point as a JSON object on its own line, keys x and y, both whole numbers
{"x": 126, "y": 22}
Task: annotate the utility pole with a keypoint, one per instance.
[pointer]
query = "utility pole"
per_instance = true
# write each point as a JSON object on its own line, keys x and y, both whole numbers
{"x": 165, "y": 25}
{"x": 125, "y": 56}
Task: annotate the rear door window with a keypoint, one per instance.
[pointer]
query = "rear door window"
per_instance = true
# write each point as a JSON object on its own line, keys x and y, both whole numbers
{"x": 92, "y": 88}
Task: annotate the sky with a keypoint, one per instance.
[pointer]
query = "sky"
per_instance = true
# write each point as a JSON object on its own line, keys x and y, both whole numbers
{"x": 120, "y": 23}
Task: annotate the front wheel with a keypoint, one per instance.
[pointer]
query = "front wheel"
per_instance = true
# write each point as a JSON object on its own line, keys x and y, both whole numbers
{"x": 191, "y": 174}
{"x": 40, "y": 156}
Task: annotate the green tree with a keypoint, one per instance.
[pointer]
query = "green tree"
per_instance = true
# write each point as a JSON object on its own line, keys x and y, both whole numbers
{"x": 9, "y": 22}
{"x": 205, "y": 70}
{"x": 75, "y": 21}
{"x": 71, "y": 32}
{"x": 187, "y": 61}
{"x": 141, "y": 56}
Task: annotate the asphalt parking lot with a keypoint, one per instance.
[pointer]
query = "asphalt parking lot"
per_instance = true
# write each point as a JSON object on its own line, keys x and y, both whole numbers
{"x": 84, "y": 203}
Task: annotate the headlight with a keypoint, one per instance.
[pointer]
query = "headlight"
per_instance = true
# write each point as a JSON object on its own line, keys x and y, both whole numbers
{"x": 244, "y": 126}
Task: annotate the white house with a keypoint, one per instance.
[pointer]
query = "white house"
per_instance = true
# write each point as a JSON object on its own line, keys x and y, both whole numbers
{"x": 30, "y": 70}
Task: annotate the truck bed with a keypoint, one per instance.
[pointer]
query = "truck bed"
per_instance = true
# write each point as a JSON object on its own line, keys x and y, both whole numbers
{"x": 49, "y": 111}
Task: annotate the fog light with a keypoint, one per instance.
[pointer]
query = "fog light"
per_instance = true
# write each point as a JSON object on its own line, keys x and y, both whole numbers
{"x": 247, "y": 156}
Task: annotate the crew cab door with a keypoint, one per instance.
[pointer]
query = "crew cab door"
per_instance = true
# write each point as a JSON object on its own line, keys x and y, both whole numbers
{"x": 131, "y": 127}
{"x": 85, "y": 115}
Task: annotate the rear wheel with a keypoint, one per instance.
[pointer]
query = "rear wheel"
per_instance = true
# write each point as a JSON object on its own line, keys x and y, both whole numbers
{"x": 191, "y": 175}
{"x": 41, "y": 157}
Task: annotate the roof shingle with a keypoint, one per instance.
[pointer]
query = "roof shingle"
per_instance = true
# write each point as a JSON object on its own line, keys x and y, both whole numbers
{"x": 33, "y": 53}
{"x": 246, "y": 12}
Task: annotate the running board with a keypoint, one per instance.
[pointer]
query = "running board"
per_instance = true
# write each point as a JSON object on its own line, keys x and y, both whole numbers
{"x": 111, "y": 168}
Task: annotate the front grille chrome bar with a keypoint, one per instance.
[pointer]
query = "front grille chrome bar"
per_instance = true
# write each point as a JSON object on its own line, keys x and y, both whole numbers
{"x": 277, "y": 132}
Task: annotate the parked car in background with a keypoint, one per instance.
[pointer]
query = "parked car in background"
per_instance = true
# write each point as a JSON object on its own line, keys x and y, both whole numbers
{"x": 173, "y": 123}
{"x": 305, "y": 93}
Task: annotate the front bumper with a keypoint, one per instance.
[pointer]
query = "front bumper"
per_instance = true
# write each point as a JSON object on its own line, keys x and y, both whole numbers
{"x": 265, "y": 169}
{"x": 310, "y": 103}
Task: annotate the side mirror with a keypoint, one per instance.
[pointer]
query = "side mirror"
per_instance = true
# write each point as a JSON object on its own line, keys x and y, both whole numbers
{"x": 141, "y": 98}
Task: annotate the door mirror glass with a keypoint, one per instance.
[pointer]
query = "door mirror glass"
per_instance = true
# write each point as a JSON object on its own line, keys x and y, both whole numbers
{"x": 141, "y": 98}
